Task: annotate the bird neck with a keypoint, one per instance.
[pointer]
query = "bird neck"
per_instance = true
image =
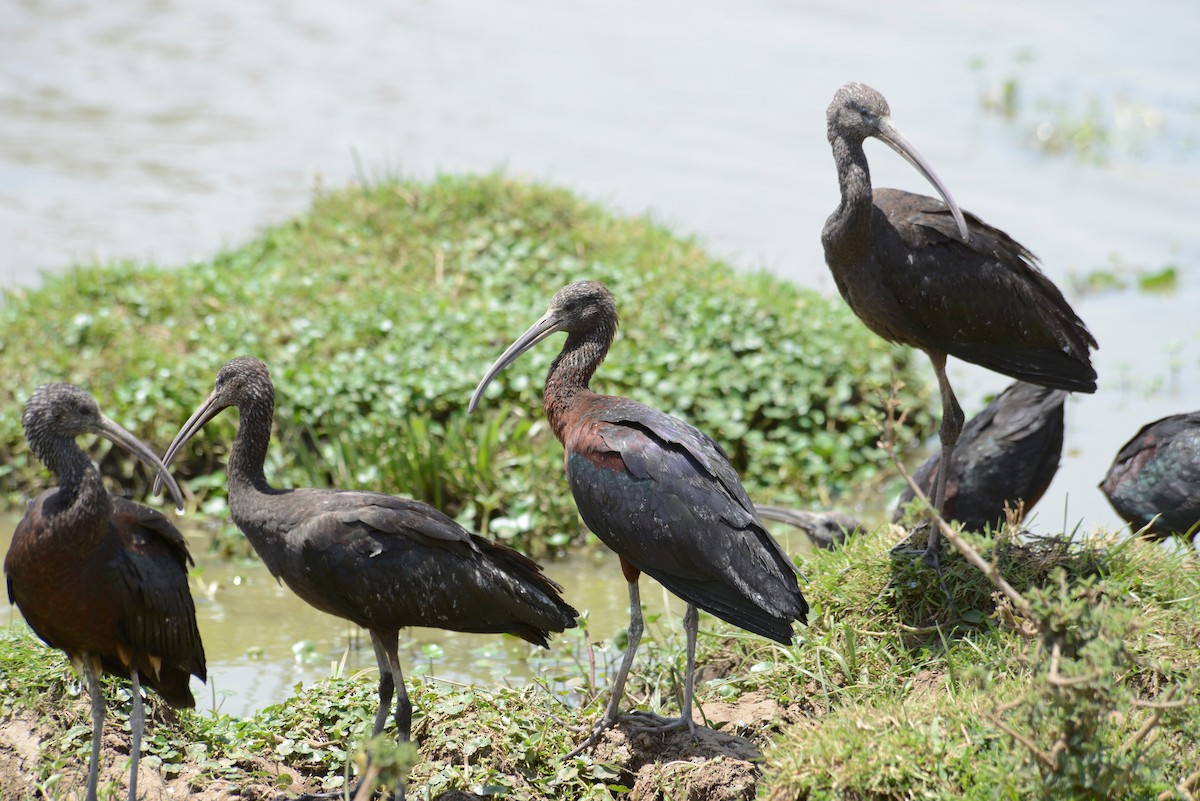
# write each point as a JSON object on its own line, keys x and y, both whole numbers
{"x": 249, "y": 451}
{"x": 572, "y": 369}
{"x": 80, "y": 492}
{"x": 848, "y": 229}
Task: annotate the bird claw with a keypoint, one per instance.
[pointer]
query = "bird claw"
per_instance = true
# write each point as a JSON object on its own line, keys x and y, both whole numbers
{"x": 652, "y": 722}
{"x": 592, "y": 738}
{"x": 644, "y": 722}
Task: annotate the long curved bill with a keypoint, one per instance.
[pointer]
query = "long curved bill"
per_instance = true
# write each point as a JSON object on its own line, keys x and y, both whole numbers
{"x": 114, "y": 433}
{"x": 207, "y": 411}
{"x": 793, "y": 517}
{"x": 536, "y": 333}
{"x": 891, "y": 136}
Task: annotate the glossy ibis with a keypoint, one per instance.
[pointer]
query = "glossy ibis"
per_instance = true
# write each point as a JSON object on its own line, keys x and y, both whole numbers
{"x": 920, "y": 272}
{"x": 658, "y": 492}
{"x": 99, "y": 577}
{"x": 1154, "y": 483}
{"x": 823, "y": 529}
{"x": 1006, "y": 456}
{"x": 379, "y": 561}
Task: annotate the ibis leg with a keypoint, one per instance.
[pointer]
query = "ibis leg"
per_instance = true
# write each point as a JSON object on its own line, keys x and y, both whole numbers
{"x": 387, "y": 686}
{"x": 137, "y": 723}
{"x": 389, "y": 646}
{"x": 952, "y": 423}
{"x": 93, "y": 683}
{"x": 691, "y": 626}
{"x": 612, "y": 711}
{"x": 391, "y": 678}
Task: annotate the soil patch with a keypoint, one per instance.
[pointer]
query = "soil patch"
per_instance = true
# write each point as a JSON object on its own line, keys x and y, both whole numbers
{"x": 22, "y": 736}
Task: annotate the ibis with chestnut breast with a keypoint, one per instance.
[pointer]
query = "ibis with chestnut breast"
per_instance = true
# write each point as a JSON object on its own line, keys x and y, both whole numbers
{"x": 659, "y": 493}
{"x": 100, "y": 577}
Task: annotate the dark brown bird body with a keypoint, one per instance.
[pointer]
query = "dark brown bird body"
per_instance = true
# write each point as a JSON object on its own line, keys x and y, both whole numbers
{"x": 136, "y": 611}
{"x": 379, "y": 561}
{"x": 918, "y": 271}
{"x": 1005, "y": 459}
{"x": 1154, "y": 481}
{"x": 101, "y": 578}
{"x": 914, "y": 282}
{"x": 387, "y": 563}
{"x": 658, "y": 492}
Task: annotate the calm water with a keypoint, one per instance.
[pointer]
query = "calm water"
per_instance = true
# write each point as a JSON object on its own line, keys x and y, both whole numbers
{"x": 166, "y": 129}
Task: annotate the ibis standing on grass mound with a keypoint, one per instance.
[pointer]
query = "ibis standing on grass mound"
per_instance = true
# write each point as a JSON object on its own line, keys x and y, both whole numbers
{"x": 102, "y": 578}
{"x": 379, "y": 561}
{"x": 920, "y": 272}
{"x": 659, "y": 493}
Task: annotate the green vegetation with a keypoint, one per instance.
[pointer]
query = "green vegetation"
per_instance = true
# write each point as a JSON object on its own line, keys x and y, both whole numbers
{"x": 380, "y": 309}
{"x": 1119, "y": 276}
{"x": 1085, "y": 686}
{"x": 1088, "y": 127}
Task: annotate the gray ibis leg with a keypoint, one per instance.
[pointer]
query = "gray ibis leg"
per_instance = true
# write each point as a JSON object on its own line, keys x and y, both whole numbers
{"x": 387, "y": 658}
{"x": 691, "y": 626}
{"x": 387, "y": 654}
{"x": 952, "y": 423}
{"x": 93, "y": 684}
{"x": 389, "y": 645}
{"x": 137, "y": 723}
{"x": 612, "y": 711}
{"x": 387, "y": 685}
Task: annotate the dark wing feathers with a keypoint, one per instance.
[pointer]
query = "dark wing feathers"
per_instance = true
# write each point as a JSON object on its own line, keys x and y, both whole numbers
{"x": 404, "y": 517}
{"x": 678, "y": 512}
{"x": 1155, "y": 478}
{"x": 1010, "y": 451}
{"x": 985, "y": 301}
{"x": 710, "y": 460}
{"x": 149, "y": 574}
{"x": 387, "y": 563}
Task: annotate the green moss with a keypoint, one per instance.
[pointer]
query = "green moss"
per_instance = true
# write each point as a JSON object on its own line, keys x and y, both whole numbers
{"x": 380, "y": 309}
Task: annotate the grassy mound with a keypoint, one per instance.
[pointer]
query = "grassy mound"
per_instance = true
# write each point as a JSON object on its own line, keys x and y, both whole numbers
{"x": 380, "y": 309}
{"x": 1088, "y": 690}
